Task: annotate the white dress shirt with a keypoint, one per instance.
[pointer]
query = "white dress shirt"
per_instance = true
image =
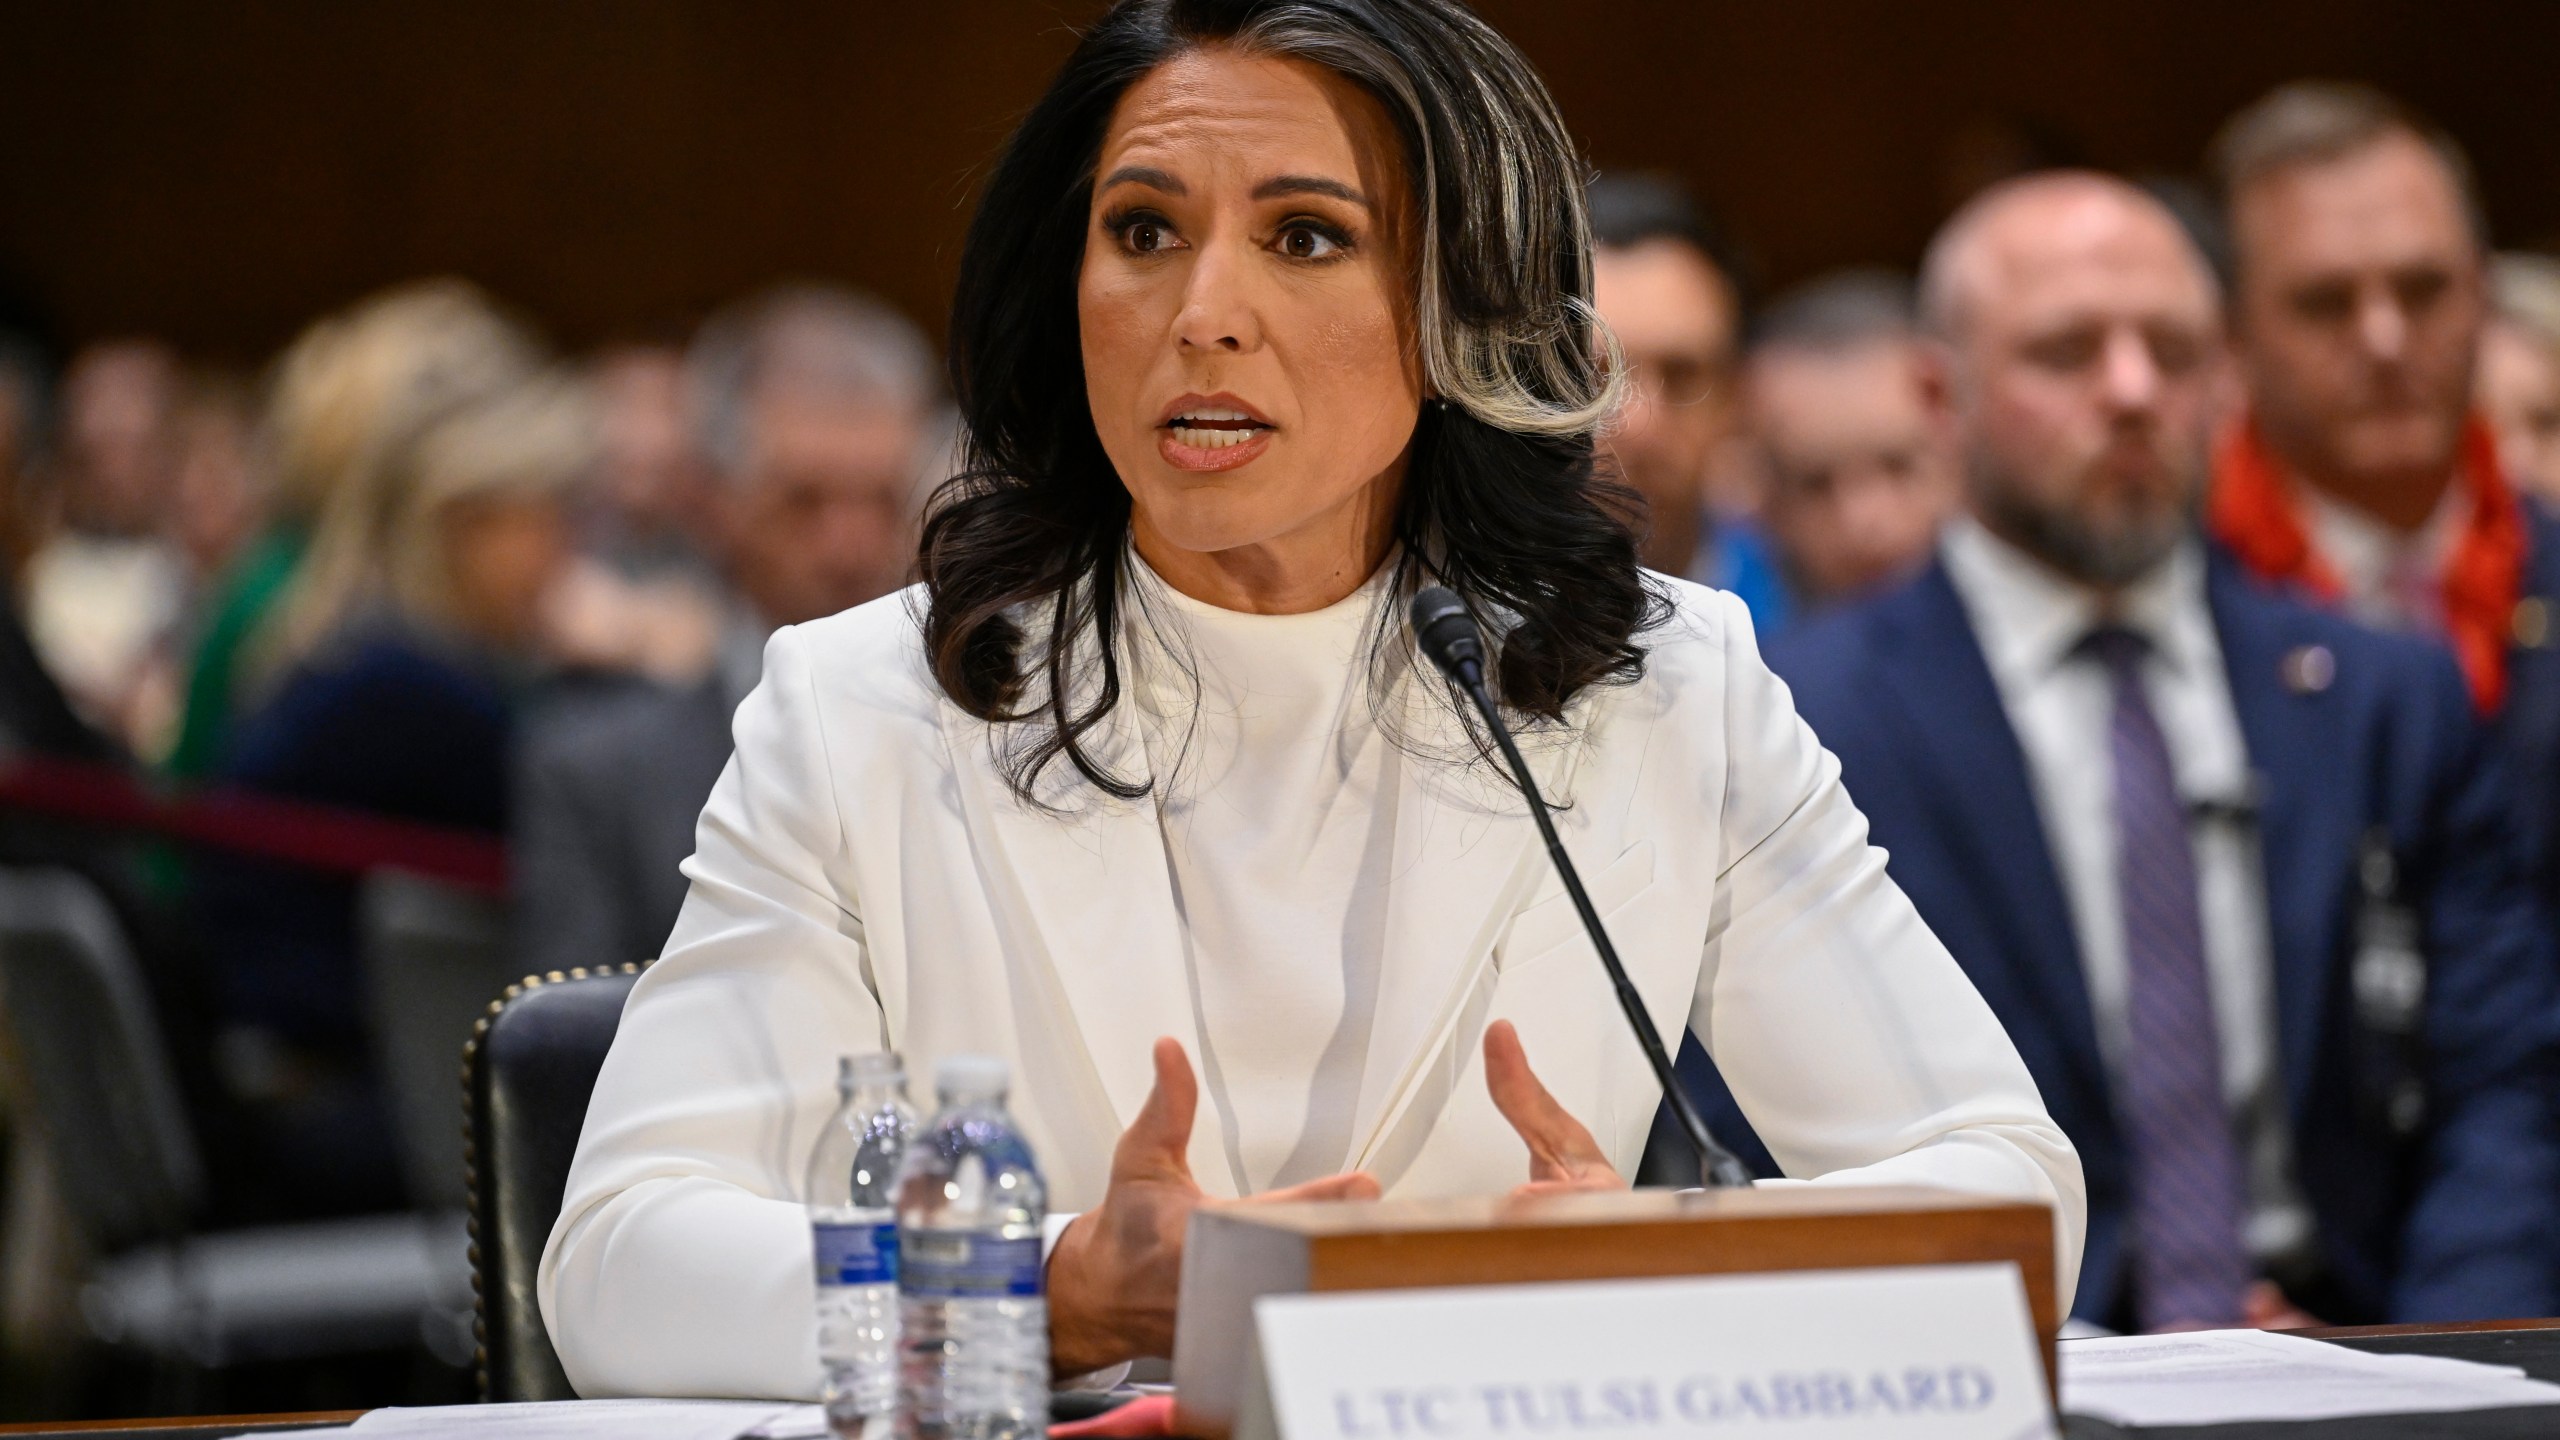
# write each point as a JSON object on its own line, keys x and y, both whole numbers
{"x": 2393, "y": 578}
{"x": 2029, "y": 621}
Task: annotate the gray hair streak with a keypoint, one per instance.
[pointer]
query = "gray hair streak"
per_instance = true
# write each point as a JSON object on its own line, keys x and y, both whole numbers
{"x": 1504, "y": 311}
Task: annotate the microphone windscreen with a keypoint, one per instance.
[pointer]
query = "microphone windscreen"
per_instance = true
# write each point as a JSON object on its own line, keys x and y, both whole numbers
{"x": 1433, "y": 603}
{"x": 1445, "y": 631}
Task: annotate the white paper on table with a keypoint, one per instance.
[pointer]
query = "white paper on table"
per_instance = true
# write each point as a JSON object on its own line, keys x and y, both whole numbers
{"x": 800, "y": 1422}
{"x": 584, "y": 1420}
{"x": 2212, "y": 1377}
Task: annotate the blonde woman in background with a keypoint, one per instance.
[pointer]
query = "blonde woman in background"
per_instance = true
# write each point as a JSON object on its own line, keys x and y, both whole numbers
{"x": 344, "y": 383}
{"x": 2518, "y": 381}
{"x": 405, "y": 640}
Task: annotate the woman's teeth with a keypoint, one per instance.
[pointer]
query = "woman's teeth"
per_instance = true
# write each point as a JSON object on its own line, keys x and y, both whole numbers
{"x": 1211, "y": 439}
{"x": 1214, "y": 429}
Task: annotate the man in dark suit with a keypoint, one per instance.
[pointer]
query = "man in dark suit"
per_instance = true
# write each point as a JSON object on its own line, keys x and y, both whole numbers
{"x": 815, "y": 408}
{"x": 2236, "y": 874}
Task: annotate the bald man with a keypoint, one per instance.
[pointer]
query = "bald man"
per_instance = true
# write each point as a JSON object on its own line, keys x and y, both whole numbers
{"x": 2232, "y": 870}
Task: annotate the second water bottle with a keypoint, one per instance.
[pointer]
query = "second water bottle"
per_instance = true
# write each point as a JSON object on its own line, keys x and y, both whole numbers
{"x": 974, "y": 1346}
{"x": 853, "y": 1222}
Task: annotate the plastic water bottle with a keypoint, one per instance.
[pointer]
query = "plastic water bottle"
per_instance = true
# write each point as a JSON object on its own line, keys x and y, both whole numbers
{"x": 974, "y": 1346}
{"x": 853, "y": 1224}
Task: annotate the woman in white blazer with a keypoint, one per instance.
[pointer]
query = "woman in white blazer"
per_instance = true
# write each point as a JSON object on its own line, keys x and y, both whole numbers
{"x": 1269, "y": 315}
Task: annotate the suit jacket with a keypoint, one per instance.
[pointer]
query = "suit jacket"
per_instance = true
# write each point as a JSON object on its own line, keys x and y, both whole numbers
{"x": 863, "y": 878}
{"x": 609, "y": 783}
{"x": 2530, "y": 724}
{"x": 2456, "y": 1223}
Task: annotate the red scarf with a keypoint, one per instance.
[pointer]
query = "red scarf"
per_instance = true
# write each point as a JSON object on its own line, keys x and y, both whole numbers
{"x": 2251, "y": 509}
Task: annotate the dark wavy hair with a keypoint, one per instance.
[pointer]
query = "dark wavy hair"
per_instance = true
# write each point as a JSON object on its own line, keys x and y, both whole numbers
{"x": 1022, "y": 551}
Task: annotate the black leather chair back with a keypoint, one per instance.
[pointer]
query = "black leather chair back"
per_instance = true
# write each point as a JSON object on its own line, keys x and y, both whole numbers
{"x": 96, "y": 1073}
{"x": 527, "y": 1075}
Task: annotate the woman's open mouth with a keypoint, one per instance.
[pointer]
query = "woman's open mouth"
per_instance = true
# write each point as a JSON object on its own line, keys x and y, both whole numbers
{"x": 1212, "y": 438}
{"x": 1214, "y": 429}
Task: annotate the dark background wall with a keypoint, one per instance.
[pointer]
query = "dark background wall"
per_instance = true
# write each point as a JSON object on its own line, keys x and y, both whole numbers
{"x": 220, "y": 172}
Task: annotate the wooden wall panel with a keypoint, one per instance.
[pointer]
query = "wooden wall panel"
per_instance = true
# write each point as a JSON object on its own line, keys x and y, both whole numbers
{"x": 219, "y": 172}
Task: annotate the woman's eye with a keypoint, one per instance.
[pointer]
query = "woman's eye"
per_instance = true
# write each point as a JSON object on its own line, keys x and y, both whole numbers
{"x": 1145, "y": 237}
{"x": 1307, "y": 242}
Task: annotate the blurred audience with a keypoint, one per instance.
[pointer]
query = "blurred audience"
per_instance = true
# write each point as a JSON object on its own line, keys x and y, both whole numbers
{"x": 335, "y": 398}
{"x": 2361, "y": 473}
{"x": 1669, "y": 290}
{"x": 215, "y": 503}
{"x": 104, "y": 587}
{"x": 35, "y": 713}
{"x": 817, "y": 409}
{"x": 652, "y": 485}
{"x": 1857, "y": 470}
{"x": 646, "y": 594}
{"x": 2519, "y": 379}
{"x": 2188, "y": 835}
{"x": 408, "y": 635}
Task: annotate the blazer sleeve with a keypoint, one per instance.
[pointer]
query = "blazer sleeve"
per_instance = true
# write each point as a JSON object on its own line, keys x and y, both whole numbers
{"x": 1853, "y": 1042}
{"x": 680, "y": 1261}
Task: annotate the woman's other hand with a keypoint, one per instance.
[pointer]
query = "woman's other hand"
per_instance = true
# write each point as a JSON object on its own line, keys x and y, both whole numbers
{"x": 1116, "y": 1274}
{"x": 1562, "y": 1155}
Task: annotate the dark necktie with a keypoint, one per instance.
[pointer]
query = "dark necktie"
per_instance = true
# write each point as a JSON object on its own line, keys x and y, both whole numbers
{"x": 2190, "y": 1264}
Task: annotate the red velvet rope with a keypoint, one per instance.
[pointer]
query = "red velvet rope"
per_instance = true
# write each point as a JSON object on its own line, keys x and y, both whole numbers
{"x": 243, "y": 822}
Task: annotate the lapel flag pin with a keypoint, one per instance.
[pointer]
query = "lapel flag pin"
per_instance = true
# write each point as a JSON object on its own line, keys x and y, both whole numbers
{"x": 2532, "y": 622}
{"x": 2308, "y": 669}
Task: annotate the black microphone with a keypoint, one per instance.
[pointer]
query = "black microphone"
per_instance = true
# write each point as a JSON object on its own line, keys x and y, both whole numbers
{"x": 1447, "y": 633}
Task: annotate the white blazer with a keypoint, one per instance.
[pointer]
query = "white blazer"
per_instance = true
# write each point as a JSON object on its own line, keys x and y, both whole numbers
{"x": 864, "y": 879}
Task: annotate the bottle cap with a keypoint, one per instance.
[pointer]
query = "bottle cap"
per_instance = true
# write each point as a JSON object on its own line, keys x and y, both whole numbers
{"x": 880, "y": 1067}
{"x": 970, "y": 1075}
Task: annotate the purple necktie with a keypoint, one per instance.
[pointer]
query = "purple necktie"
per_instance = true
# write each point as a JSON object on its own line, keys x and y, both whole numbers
{"x": 2190, "y": 1264}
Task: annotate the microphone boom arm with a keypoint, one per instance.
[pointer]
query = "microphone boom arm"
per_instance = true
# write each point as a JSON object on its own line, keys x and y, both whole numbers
{"x": 1719, "y": 1166}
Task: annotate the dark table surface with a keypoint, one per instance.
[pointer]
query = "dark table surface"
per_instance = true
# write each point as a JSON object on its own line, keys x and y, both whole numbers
{"x": 2533, "y": 1345}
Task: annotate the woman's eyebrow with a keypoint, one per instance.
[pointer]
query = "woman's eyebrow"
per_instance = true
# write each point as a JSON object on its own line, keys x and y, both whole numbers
{"x": 1146, "y": 175}
{"x": 1280, "y": 185}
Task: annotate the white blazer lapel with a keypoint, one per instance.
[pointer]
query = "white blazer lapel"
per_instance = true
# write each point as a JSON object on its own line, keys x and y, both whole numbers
{"x": 1083, "y": 891}
{"x": 1466, "y": 857}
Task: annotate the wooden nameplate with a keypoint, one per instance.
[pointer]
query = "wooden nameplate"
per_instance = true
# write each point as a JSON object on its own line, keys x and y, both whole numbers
{"x": 1235, "y": 1254}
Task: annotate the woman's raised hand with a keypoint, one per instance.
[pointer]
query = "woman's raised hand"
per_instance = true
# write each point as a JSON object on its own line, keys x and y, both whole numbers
{"x": 1562, "y": 1154}
{"x": 1116, "y": 1274}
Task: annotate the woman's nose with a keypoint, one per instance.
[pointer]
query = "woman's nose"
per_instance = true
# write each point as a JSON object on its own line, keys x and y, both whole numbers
{"x": 1217, "y": 310}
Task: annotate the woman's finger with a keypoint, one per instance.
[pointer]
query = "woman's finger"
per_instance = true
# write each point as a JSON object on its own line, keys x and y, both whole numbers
{"x": 1350, "y": 1185}
{"x": 1158, "y": 1142}
{"x": 1559, "y": 1147}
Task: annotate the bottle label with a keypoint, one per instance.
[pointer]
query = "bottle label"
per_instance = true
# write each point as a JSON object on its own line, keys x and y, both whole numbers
{"x": 864, "y": 1254}
{"x": 959, "y": 1265}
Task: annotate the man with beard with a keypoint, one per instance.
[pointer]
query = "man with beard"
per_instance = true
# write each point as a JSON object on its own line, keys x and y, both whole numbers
{"x": 2187, "y": 834}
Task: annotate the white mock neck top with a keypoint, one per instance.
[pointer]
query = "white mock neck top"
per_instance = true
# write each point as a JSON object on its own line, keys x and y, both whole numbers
{"x": 1275, "y": 794}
